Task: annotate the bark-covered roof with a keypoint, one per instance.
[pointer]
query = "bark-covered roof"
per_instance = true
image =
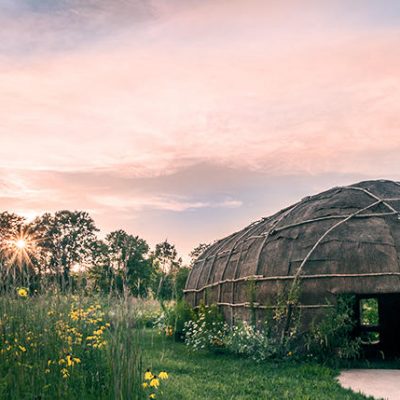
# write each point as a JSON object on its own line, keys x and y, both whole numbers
{"x": 342, "y": 232}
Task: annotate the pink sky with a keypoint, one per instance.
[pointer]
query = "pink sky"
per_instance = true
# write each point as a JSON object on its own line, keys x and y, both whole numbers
{"x": 190, "y": 120}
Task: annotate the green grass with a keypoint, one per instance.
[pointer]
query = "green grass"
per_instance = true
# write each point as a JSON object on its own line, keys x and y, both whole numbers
{"x": 56, "y": 347}
{"x": 38, "y": 329}
{"x": 203, "y": 376}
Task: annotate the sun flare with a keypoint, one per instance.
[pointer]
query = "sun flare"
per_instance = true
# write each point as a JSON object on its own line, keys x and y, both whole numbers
{"x": 21, "y": 248}
{"x": 20, "y": 244}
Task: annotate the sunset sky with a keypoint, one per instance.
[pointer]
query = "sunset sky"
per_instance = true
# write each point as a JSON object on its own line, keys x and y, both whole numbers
{"x": 188, "y": 119}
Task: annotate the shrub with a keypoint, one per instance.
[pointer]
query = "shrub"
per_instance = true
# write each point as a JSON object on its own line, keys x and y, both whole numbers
{"x": 182, "y": 313}
{"x": 207, "y": 330}
{"x": 246, "y": 340}
{"x": 172, "y": 319}
{"x": 331, "y": 338}
{"x": 279, "y": 337}
{"x": 147, "y": 318}
{"x": 180, "y": 282}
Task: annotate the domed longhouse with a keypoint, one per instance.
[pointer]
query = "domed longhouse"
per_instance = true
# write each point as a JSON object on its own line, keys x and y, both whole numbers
{"x": 342, "y": 241}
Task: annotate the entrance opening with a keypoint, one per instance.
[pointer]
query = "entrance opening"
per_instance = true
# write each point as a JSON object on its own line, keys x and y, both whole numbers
{"x": 378, "y": 324}
{"x": 369, "y": 321}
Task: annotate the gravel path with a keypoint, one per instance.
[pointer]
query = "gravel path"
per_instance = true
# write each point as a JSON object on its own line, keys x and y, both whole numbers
{"x": 380, "y": 383}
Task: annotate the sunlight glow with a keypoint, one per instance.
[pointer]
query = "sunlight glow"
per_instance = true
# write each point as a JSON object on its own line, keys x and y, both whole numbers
{"x": 20, "y": 249}
{"x": 21, "y": 244}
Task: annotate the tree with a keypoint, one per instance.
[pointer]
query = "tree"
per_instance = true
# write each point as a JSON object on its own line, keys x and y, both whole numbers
{"x": 11, "y": 227}
{"x": 68, "y": 237}
{"x": 42, "y": 255}
{"x": 180, "y": 281}
{"x": 129, "y": 258}
{"x": 197, "y": 252}
{"x": 167, "y": 264}
{"x": 100, "y": 271}
{"x": 166, "y": 256}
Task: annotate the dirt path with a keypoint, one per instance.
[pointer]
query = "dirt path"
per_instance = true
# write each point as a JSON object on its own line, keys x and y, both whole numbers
{"x": 380, "y": 383}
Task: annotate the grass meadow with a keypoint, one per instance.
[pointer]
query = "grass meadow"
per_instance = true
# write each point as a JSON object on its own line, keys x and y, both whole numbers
{"x": 75, "y": 347}
{"x": 221, "y": 376}
{"x": 55, "y": 347}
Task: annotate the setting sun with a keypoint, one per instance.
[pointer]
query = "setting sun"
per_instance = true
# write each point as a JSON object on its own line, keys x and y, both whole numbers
{"x": 20, "y": 244}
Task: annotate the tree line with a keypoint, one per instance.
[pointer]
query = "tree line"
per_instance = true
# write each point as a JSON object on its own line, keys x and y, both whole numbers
{"x": 62, "y": 251}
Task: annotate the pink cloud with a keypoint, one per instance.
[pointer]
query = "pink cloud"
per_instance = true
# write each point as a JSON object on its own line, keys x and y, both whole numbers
{"x": 132, "y": 104}
{"x": 280, "y": 89}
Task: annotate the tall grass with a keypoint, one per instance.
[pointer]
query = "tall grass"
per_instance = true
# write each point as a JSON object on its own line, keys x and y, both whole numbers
{"x": 59, "y": 346}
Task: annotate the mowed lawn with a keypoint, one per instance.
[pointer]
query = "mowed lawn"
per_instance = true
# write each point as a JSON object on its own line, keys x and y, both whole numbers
{"x": 203, "y": 376}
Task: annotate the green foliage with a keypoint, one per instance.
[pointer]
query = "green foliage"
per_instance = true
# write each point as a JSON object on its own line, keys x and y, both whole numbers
{"x": 205, "y": 375}
{"x": 167, "y": 265}
{"x": 286, "y": 317}
{"x": 173, "y": 319}
{"x": 129, "y": 260}
{"x": 197, "y": 252}
{"x": 182, "y": 313}
{"x": 64, "y": 253}
{"x": 210, "y": 314}
{"x": 207, "y": 330}
{"x": 67, "y": 347}
{"x": 101, "y": 273}
{"x": 246, "y": 340}
{"x": 331, "y": 339}
{"x": 279, "y": 337}
{"x": 163, "y": 286}
{"x": 369, "y": 312}
{"x": 124, "y": 356}
{"x": 148, "y": 318}
{"x": 68, "y": 236}
{"x": 180, "y": 282}
{"x": 166, "y": 257}
{"x": 12, "y": 270}
{"x": 169, "y": 286}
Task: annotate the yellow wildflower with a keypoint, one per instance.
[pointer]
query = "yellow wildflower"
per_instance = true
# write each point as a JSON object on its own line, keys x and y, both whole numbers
{"x": 155, "y": 382}
{"x": 22, "y": 292}
{"x": 152, "y": 396}
{"x": 163, "y": 375}
{"x": 145, "y": 384}
{"x": 70, "y": 363}
{"x": 64, "y": 373}
{"x": 148, "y": 375}
{"x": 22, "y": 348}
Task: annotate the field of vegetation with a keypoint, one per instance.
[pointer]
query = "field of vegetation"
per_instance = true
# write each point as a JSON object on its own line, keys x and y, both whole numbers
{"x": 55, "y": 347}
{"x": 117, "y": 328}
{"x": 222, "y": 376}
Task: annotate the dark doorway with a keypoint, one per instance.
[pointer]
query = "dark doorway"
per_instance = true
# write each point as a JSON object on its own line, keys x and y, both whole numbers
{"x": 378, "y": 324}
